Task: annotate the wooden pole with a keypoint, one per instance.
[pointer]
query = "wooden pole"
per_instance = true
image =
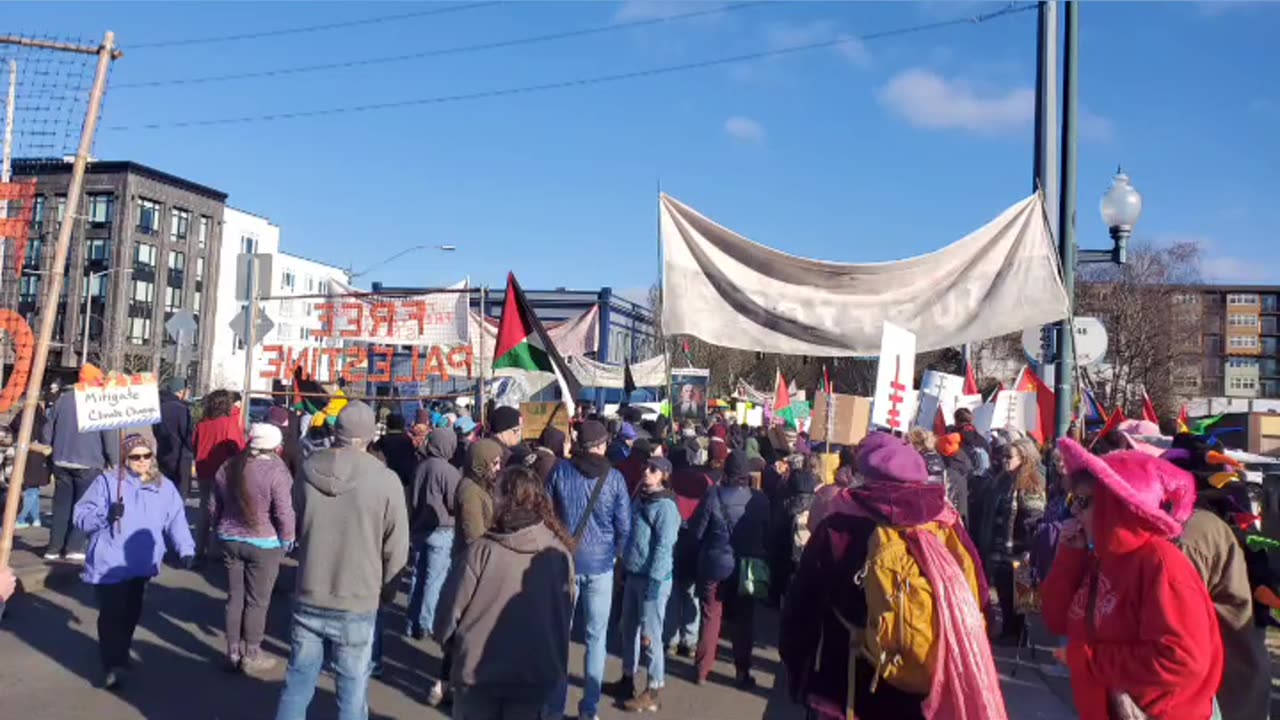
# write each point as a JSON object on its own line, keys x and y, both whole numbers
{"x": 53, "y": 289}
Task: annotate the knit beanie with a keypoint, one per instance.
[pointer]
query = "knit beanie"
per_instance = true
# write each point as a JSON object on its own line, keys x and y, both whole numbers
{"x": 503, "y": 418}
{"x": 134, "y": 441}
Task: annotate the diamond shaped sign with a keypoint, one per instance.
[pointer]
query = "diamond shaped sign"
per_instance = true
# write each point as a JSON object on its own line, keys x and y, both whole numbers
{"x": 263, "y": 325}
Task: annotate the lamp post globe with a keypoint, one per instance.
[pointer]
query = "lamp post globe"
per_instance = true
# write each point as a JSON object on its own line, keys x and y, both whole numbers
{"x": 1121, "y": 206}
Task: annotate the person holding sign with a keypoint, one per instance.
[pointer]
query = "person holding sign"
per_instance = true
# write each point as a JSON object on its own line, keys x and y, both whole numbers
{"x": 129, "y": 513}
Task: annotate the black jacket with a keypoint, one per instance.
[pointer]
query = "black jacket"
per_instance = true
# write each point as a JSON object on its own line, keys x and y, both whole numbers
{"x": 175, "y": 448}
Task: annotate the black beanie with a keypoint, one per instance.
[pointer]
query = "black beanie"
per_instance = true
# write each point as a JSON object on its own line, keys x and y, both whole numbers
{"x": 503, "y": 418}
{"x": 591, "y": 433}
{"x": 737, "y": 466}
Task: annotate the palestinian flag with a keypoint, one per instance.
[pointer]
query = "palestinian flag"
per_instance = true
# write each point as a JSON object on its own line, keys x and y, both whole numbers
{"x": 970, "y": 381}
{"x": 523, "y": 344}
{"x": 782, "y": 401}
{"x": 309, "y": 396}
{"x": 1184, "y": 420}
{"x": 1148, "y": 409}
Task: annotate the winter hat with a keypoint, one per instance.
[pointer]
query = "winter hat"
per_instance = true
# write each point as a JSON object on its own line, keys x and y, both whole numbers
{"x": 661, "y": 464}
{"x": 885, "y": 458}
{"x": 481, "y": 454}
{"x": 175, "y": 385}
{"x": 591, "y": 433}
{"x": 503, "y": 419}
{"x": 134, "y": 441}
{"x": 1155, "y": 490}
{"x": 948, "y": 445}
{"x": 278, "y": 416}
{"x": 465, "y": 425}
{"x": 264, "y": 436}
{"x": 395, "y": 421}
{"x": 553, "y": 440}
{"x": 355, "y": 422}
{"x": 628, "y": 432}
{"x": 737, "y": 466}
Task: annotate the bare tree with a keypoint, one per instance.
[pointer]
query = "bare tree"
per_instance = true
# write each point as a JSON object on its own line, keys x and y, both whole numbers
{"x": 1152, "y": 339}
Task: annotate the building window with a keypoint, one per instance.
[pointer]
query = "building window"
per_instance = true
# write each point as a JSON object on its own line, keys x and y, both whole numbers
{"x": 37, "y": 214}
{"x": 202, "y": 232}
{"x": 284, "y": 331}
{"x": 97, "y": 249}
{"x": 95, "y": 286}
{"x": 100, "y": 206}
{"x": 286, "y": 308}
{"x": 179, "y": 225}
{"x": 60, "y": 209}
{"x": 304, "y": 333}
{"x": 310, "y": 283}
{"x": 1186, "y": 383}
{"x": 1249, "y": 321}
{"x": 139, "y": 330}
{"x": 172, "y": 299}
{"x": 148, "y": 216}
{"x": 144, "y": 292}
{"x": 144, "y": 255}
{"x": 1242, "y": 299}
{"x": 324, "y": 287}
{"x": 1244, "y": 383}
{"x": 199, "y": 267}
{"x": 1243, "y": 342}
{"x": 28, "y": 288}
{"x": 1186, "y": 299}
{"x": 248, "y": 244}
{"x": 177, "y": 260}
{"x": 287, "y": 280}
{"x": 195, "y": 301}
{"x": 1251, "y": 363}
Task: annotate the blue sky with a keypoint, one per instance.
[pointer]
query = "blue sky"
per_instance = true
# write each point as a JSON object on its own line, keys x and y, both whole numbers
{"x": 868, "y": 151}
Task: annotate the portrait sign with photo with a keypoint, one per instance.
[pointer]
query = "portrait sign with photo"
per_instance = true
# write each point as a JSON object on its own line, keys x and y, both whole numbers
{"x": 689, "y": 394}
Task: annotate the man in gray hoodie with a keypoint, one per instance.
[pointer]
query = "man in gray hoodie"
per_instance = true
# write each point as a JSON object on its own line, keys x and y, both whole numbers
{"x": 353, "y": 541}
{"x": 435, "y": 490}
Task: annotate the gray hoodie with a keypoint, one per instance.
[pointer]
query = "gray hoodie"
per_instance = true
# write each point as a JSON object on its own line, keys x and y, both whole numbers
{"x": 353, "y": 534}
{"x": 507, "y": 607}
{"x": 435, "y": 488}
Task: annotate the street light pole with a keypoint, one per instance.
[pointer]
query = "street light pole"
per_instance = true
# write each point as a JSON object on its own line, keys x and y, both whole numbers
{"x": 1064, "y": 379}
{"x": 88, "y": 296}
{"x": 397, "y": 256}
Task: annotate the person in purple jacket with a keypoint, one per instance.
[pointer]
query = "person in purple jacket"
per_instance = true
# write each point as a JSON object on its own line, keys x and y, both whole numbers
{"x": 128, "y": 513}
{"x": 251, "y": 509}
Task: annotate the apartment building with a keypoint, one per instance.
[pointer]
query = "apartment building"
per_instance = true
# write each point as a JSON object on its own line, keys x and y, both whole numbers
{"x": 1239, "y": 338}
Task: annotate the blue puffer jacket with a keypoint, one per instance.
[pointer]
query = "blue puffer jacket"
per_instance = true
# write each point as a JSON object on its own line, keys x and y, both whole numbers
{"x": 731, "y": 522}
{"x": 655, "y": 523}
{"x": 606, "y": 532}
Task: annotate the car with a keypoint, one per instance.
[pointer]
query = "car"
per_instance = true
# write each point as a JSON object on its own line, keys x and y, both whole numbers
{"x": 258, "y": 408}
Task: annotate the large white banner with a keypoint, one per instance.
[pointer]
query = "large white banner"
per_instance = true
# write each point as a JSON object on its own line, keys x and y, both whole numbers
{"x": 727, "y": 290}
{"x": 439, "y": 318}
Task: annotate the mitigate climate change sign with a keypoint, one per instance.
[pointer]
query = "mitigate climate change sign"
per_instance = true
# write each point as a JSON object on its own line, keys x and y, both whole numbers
{"x": 121, "y": 401}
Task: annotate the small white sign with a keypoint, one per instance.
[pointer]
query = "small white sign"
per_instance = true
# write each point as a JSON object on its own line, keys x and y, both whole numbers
{"x": 1017, "y": 410}
{"x": 938, "y": 391}
{"x": 1090, "y": 341}
{"x": 894, "y": 404}
{"x": 121, "y": 401}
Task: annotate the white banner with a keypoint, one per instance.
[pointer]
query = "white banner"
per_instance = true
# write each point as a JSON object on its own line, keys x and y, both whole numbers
{"x": 727, "y": 290}
{"x": 439, "y": 318}
{"x": 647, "y": 373}
{"x": 121, "y": 401}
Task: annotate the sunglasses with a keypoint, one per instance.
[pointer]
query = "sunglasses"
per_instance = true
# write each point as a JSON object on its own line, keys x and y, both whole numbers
{"x": 139, "y": 457}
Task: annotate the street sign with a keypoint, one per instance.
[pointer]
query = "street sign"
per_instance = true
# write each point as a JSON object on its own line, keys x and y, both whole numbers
{"x": 263, "y": 326}
{"x": 182, "y": 326}
{"x": 1090, "y": 341}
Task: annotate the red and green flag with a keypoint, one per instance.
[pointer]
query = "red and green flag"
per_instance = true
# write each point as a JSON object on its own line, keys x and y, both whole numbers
{"x": 523, "y": 344}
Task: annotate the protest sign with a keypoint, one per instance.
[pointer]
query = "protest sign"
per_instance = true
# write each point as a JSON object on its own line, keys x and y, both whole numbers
{"x": 539, "y": 415}
{"x": 118, "y": 401}
{"x": 847, "y": 416}
{"x": 894, "y": 404}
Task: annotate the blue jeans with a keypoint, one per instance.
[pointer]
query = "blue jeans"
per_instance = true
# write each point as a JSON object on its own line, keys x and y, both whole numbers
{"x": 30, "y": 512}
{"x": 349, "y": 636}
{"x": 641, "y": 623}
{"x": 683, "y": 615}
{"x": 435, "y": 557}
{"x": 375, "y": 655}
{"x": 595, "y": 595}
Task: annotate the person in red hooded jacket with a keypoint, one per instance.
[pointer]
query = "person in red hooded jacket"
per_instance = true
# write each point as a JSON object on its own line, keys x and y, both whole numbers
{"x": 219, "y": 437}
{"x": 1140, "y": 626}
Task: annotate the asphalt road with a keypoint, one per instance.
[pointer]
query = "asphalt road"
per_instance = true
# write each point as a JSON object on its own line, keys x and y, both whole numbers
{"x": 48, "y": 660}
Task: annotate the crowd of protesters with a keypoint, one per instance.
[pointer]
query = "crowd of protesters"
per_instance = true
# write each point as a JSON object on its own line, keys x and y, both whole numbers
{"x": 894, "y": 564}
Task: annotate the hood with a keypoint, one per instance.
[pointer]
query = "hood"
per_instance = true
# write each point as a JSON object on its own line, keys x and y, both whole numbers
{"x": 526, "y": 539}
{"x": 442, "y": 443}
{"x": 1117, "y": 529}
{"x": 333, "y": 471}
{"x": 592, "y": 466}
{"x": 893, "y": 503}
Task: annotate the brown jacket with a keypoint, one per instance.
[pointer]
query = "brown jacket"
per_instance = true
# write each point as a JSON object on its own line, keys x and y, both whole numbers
{"x": 475, "y": 512}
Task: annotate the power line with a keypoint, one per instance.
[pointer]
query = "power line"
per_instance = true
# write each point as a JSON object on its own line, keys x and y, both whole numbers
{"x": 440, "y": 52}
{"x": 1011, "y": 9}
{"x": 313, "y": 28}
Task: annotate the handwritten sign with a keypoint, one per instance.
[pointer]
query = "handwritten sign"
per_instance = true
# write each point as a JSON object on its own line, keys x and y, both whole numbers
{"x": 372, "y": 363}
{"x": 120, "y": 401}
{"x": 894, "y": 404}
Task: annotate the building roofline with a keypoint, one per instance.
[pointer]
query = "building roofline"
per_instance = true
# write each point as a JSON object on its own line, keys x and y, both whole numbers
{"x": 252, "y": 214}
{"x": 38, "y": 166}
{"x": 296, "y": 256}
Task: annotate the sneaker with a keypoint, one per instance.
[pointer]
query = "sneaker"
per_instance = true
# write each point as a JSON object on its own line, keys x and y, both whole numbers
{"x": 257, "y": 664}
{"x": 646, "y": 701}
{"x": 75, "y": 557}
{"x": 233, "y": 663}
{"x": 436, "y": 695}
{"x": 684, "y": 651}
{"x": 621, "y": 690}
{"x": 23, "y": 526}
{"x": 52, "y": 556}
{"x": 746, "y": 681}
{"x": 113, "y": 679}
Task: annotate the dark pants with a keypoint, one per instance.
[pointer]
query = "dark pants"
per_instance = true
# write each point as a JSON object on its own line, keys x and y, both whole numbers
{"x": 180, "y": 474}
{"x": 69, "y": 485}
{"x": 203, "y": 528}
{"x": 251, "y": 575}
{"x": 119, "y": 609}
{"x": 719, "y": 598}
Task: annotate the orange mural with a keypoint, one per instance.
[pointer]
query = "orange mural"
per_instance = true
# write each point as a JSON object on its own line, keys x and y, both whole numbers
{"x": 24, "y": 346}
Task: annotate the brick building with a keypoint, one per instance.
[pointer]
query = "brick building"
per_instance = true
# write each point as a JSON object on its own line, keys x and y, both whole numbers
{"x": 1239, "y": 338}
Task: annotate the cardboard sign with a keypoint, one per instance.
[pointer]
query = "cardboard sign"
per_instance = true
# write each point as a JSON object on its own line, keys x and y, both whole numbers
{"x": 119, "y": 401}
{"x": 538, "y": 415}
{"x": 847, "y": 416}
{"x": 893, "y": 406}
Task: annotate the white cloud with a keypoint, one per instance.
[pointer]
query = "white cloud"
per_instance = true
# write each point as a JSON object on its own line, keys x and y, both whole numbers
{"x": 928, "y": 100}
{"x": 631, "y": 10}
{"x": 786, "y": 35}
{"x": 744, "y": 129}
{"x": 1227, "y": 269}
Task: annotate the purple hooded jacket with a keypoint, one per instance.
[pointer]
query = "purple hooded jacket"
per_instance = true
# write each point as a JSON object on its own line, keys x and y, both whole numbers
{"x": 133, "y": 548}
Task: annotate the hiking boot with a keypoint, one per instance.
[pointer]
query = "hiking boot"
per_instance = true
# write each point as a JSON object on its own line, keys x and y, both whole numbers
{"x": 622, "y": 690}
{"x": 746, "y": 681}
{"x": 113, "y": 679}
{"x": 646, "y": 701}
{"x": 257, "y": 664}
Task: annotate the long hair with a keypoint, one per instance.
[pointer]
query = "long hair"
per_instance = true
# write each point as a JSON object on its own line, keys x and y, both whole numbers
{"x": 238, "y": 480}
{"x": 217, "y": 404}
{"x": 1028, "y": 478}
{"x": 522, "y": 488}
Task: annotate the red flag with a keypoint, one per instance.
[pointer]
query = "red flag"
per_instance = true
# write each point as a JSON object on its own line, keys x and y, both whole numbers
{"x": 939, "y": 423}
{"x": 1149, "y": 410}
{"x": 1184, "y": 420}
{"x": 826, "y": 381}
{"x": 781, "y": 395}
{"x": 1029, "y": 381}
{"x": 970, "y": 382}
{"x": 1113, "y": 422}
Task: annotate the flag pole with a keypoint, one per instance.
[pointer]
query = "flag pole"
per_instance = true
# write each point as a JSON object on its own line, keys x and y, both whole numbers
{"x": 485, "y": 360}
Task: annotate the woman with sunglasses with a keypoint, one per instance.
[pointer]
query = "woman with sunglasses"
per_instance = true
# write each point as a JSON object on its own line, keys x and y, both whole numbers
{"x": 128, "y": 513}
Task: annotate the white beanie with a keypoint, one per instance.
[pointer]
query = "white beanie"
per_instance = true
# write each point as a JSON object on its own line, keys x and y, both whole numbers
{"x": 264, "y": 436}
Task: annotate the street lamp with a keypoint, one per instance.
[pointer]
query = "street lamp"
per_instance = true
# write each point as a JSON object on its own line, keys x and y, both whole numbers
{"x": 88, "y": 296}
{"x": 1121, "y": 207}
{"x": 402, "y": 253}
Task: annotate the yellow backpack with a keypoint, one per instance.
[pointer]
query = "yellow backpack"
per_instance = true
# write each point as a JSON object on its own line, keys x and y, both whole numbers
{"x": 900, "y": 631}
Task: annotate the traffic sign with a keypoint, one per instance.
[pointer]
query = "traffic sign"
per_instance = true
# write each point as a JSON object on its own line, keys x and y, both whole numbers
{"x": 263, "y": 325}
{"x": 182, "y": 326}
{"x": 1090, "y": 341}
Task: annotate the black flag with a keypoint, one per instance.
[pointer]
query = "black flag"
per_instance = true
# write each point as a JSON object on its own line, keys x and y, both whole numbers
{"x": 628, "y": 382}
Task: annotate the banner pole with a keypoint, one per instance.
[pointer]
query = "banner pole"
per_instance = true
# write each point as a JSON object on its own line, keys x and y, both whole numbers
{"x": 481, "y": 401}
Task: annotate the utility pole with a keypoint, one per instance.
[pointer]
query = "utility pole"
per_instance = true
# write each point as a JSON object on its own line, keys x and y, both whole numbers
{"x": 1045, "y": 174}
{"x": 250, "y": 326}
{"x": 1064, "y": 385}
{"x": 106, "y": 52}
{"x": 6, "y": 169}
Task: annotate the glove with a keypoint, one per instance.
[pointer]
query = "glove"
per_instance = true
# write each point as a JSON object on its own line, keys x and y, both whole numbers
{"x": 188, "y": 562}
{"x": 115, "y": 511}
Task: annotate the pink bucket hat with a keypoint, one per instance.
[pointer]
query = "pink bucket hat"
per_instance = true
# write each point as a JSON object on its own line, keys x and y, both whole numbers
{"x": 1155, "y": 490}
